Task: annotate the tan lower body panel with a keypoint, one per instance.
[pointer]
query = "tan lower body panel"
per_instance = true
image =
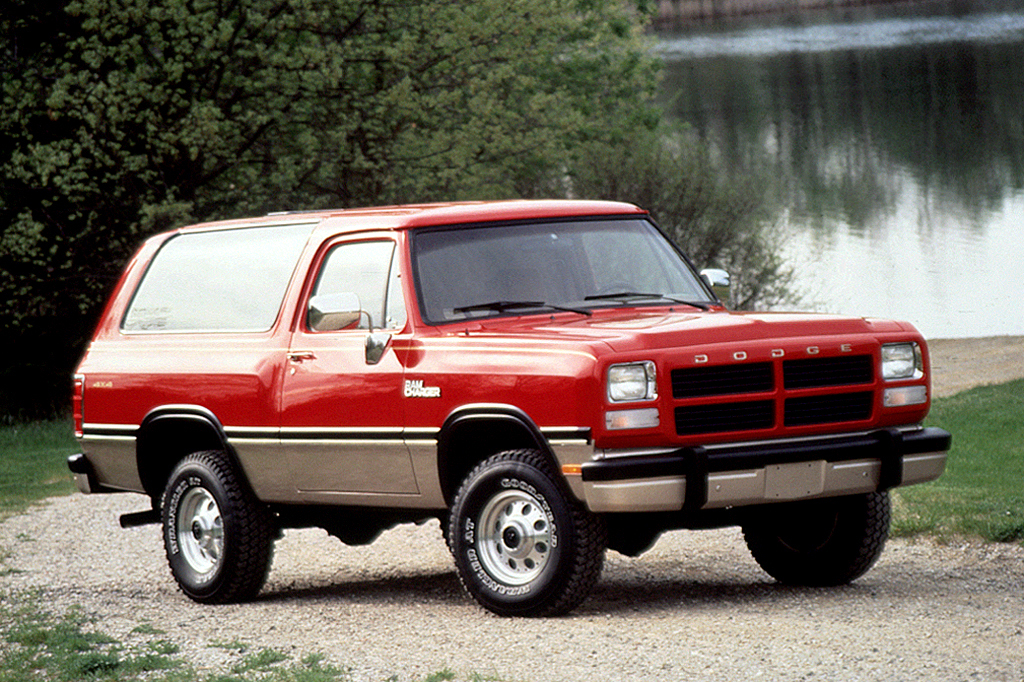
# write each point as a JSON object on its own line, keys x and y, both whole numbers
{"x": 113, "y": 461}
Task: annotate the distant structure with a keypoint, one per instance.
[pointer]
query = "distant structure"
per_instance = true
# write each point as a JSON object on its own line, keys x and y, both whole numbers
{"x": 696, "y": 11}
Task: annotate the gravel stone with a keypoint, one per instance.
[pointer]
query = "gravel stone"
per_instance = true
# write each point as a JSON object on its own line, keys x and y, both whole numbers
{"x": 694, "y": 607}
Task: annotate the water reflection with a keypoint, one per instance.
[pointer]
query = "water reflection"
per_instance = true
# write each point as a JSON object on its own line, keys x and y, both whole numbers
{"x": 829, "y": 37}
{"x": 898, "y": 149}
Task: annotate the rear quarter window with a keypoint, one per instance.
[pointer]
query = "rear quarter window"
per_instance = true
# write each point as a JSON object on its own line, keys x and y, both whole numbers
{"x": 218, "y": 281}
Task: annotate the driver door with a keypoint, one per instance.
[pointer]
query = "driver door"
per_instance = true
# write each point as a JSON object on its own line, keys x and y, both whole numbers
{"x": 341, "y": 411}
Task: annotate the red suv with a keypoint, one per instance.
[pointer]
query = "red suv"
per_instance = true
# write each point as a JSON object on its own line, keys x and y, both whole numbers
{"x": 548, "y": 378}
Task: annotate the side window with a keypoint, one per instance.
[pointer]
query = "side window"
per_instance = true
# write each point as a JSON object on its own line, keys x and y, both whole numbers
{"x": 370, "y": 271}
{"x": 217, "y": 281}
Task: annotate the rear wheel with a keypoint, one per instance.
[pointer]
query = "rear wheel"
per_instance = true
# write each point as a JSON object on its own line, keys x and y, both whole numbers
{"x": 522, "y": 546}
{"x": 217, "y": 535}
{"x": 820, "y": 543}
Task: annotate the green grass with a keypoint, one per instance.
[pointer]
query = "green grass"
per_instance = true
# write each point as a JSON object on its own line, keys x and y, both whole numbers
{"x": 36, "y": 646}
{"x": 33, "y": 463}
{"x": 981, "y": 492}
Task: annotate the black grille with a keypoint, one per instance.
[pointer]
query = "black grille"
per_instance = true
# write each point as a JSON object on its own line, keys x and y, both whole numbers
{"x": 705, "y": 381}
{"x": 745, "y": 416}
{"x": 817, "y": 372}
{"x": 828, "y": 409}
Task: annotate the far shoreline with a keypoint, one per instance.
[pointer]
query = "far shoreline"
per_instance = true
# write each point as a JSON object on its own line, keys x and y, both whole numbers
{"x": 961, "y": 364}
{"x": 671, "y": 13}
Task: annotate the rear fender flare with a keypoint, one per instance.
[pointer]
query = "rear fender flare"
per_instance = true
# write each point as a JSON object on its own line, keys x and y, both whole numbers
{"x": 171, "y": 432}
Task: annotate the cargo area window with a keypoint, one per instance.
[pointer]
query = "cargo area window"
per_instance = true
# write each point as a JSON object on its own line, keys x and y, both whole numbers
{"x": 217, "y": 281}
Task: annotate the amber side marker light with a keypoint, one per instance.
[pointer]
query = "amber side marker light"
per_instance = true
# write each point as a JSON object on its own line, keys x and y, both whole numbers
{"x": 77, "y": 407}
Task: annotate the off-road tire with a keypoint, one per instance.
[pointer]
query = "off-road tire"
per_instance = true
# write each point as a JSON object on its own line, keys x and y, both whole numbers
{"x": 822, "y": 542}
{"x": 218, "y": 537}
{"x": 523, "y": 546}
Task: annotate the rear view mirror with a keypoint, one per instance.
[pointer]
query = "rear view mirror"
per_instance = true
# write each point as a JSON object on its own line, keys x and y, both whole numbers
{"x": 331, "y": 312}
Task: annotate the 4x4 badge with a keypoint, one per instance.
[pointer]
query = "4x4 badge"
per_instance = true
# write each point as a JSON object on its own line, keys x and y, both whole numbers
{"x": 414, "y": 388}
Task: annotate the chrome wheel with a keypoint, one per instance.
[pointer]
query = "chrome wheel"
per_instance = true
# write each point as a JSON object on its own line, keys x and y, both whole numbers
{"x": 521, "y": 545}
{"x": 218, "y": 536}
{"x": 200, "y": 530}
{"x": 515, "y": 537}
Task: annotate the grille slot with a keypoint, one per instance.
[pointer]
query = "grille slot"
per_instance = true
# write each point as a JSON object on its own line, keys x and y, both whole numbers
{"x": 744, "y": 416}
{"x": 695, "y": 382}
{"x": 818, "y": 372}
{"x": 828, "y": 409}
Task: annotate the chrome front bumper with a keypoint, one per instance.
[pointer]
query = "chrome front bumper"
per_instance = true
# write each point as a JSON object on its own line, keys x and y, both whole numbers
{"x": 714, "y": 477}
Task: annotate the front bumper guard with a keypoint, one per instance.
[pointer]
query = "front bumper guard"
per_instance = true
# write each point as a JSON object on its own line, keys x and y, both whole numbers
{"x": 718, "y": 476}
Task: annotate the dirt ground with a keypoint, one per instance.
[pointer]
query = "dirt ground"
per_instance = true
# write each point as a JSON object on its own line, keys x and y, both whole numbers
{"x": 960, "y": 364}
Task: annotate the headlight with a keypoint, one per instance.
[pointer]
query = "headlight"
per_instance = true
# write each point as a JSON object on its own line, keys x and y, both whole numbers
{"x": 632, "y": 382}
{"x": 901, "y": 361}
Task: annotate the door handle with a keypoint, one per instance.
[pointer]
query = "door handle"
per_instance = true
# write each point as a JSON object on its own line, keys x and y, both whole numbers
{"x": 300, "y": 355}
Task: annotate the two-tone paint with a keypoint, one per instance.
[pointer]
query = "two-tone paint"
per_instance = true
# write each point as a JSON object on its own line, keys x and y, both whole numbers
{"x": 310, "y": 421}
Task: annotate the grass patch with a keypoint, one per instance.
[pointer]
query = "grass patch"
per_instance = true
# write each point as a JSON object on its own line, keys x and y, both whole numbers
{"x": 36, "y": 646}
{"x": 981, "y": 492}
{"x": 234, "y": 645}
{"x": 33, "y": 463}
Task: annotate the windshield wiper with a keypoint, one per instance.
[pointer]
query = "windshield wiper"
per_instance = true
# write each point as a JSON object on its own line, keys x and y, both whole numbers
{"x": 626, "y": 295}
{"x": 503, "y": 306}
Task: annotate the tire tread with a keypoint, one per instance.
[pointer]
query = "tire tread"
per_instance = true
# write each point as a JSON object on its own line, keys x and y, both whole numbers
{"x": 589, "y": 532}
{"x": 247, "y": 564}
{"x": 857, "y": 543}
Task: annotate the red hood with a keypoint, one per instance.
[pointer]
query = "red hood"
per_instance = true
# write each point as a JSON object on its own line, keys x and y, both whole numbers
{"x": 631, "y": 330}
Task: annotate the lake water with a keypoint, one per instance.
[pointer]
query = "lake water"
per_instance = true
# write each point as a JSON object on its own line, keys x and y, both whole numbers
{"x": 895, "y": 143}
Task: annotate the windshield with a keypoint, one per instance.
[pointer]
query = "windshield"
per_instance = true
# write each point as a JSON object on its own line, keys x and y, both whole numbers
{"x": 466, "y": 273}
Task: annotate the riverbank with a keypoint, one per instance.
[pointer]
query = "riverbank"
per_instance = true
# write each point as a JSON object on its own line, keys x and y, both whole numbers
{"x": 682, "y": 12}
{"x": 961, "y": 364}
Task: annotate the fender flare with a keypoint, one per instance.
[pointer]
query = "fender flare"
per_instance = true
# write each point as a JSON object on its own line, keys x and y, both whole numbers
{"x": 492, "y": 412}
{"x": 154, "y": 468}
{"x": 519, "y": 425}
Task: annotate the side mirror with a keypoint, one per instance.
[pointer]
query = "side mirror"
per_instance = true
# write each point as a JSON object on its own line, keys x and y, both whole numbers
{"x": 331, "y": 312}
{"x": 719, "y": 282}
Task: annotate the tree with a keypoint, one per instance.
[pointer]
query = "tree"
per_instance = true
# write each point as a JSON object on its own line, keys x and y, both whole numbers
{"x": 718, "y": 220}
{"x": 125, "y": 117}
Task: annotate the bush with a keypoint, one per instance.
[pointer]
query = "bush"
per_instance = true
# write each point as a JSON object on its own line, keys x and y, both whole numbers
{"x": 717, "y": 220}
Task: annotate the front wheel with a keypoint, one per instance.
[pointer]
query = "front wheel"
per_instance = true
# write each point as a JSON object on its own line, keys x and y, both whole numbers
{"x": 820, "y": 543}
{"x": 522, "y": 546}
{"x": 218, "y": 536}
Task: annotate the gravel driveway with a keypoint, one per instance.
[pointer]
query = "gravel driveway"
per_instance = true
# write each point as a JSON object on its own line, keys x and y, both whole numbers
{"x": 694, "y": 607}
